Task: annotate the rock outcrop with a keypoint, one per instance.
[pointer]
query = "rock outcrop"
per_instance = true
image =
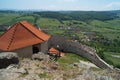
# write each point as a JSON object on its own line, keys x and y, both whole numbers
{"x": 7, "y": 58}
{"x": 40, "y": 70}
{"x": 40, "y": 56}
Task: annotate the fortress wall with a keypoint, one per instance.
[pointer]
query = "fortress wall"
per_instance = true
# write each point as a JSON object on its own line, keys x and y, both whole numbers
{"x": 78, "y": 48}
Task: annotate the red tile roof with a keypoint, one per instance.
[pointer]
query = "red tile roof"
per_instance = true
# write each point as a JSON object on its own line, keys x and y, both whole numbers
{"x": 21, "y": 34}
{"x": 55, "y": 51}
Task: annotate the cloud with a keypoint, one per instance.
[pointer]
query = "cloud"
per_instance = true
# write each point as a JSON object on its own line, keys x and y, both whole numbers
{"x": 113, "y": 5}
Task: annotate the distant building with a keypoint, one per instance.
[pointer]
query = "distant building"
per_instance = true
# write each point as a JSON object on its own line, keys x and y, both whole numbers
{"x": 24, "y": 39}
{"x": 56, "y": 52}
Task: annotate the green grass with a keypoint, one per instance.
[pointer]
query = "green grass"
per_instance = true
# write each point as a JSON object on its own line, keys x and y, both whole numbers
{"x": 69, "y": 59}
{"x": 11, "y": 18}
{"x": 115, "y": 54}
{"x": 48, "y": 23}
{"x": 109, "y": 29}
{"x": 56, "y": 32}
{"x": 30, "y": 19}
{"x": 112, "y": 60}
{"x": 111, "y": 24}
{"x": 5, "y": 18}
{"x": 78, "y": 24}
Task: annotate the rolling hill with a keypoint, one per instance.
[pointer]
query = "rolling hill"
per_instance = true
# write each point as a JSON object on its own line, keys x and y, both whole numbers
{"x": 98, "y": 29}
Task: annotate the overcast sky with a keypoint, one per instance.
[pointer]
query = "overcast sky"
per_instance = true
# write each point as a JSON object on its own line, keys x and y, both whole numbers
{"x": 87, "y": 5}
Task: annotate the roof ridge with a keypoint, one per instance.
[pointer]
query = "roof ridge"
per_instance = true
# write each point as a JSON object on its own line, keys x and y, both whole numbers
{"x": 13, "y": 35}
{"x": 29, "y": 29}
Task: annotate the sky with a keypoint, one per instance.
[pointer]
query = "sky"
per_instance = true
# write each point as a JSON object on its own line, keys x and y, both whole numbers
{"x": 59, "y": 5}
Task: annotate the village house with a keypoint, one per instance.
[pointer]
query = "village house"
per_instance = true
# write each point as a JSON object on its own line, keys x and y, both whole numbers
{"x": 24, "y": 39}
{"x": 54, "y": 51}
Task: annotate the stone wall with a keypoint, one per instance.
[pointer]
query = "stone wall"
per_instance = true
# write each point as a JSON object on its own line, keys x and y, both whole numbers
{"x": 24, "y": 52}
{"x": 44, "y": 47}
{"x": 78, "y": 48}
{"x": 27, "y": 52}
{"x": 57, "y": 40}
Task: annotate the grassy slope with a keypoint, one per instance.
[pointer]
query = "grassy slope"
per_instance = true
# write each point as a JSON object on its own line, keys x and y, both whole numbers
{"x": 26, "y": 18}
{"x": 50, "y": 24}
{"x": 69, "y": 59}
{"x": 11, "y": 18}
{"x": 110, "y": 24}
{"x": 6, "y": 18}
{"x": 109, "y": 57}
{"x": 110, "y": 29}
